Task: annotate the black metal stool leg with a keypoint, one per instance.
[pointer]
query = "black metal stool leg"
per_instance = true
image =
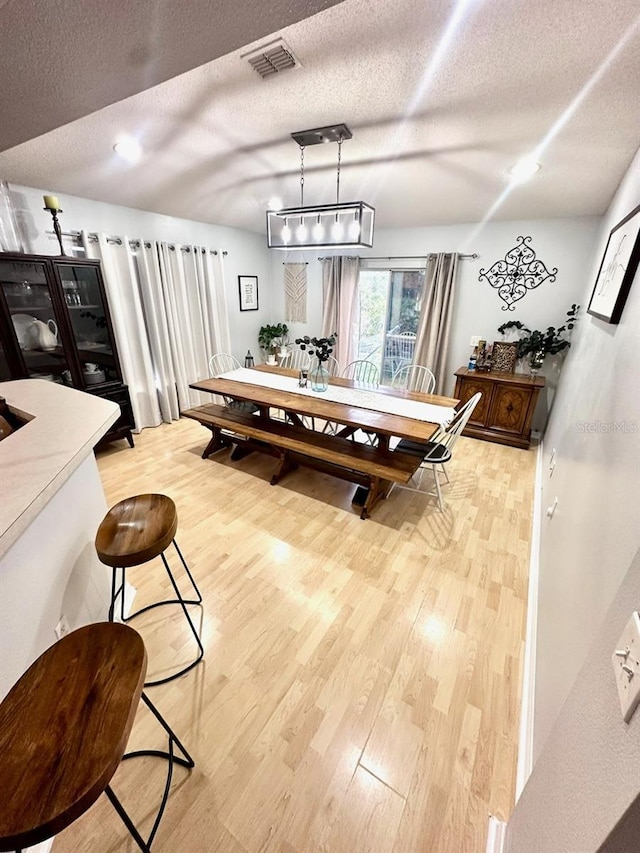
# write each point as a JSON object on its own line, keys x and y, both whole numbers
{"x": 193, "y": 583}
{"x": 177, "y": 600}
{"x": 115, "y": 593}
{"x": 185, "y": 761}
{"x": 115, "y": 802}
{"x": 183, "y": 604}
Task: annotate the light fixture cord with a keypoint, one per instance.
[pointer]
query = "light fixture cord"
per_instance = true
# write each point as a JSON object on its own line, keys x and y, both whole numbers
{"x": 302, "y": 176}
{"x": 338, "y": 172}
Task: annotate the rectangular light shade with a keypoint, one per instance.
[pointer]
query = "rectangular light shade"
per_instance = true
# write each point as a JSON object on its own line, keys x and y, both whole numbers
{"x": 339, "y": 226}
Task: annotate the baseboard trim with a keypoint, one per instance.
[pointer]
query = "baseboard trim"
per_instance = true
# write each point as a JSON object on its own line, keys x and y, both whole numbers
{"x": 495, "y": 835}
{"x": 525, "y": 734}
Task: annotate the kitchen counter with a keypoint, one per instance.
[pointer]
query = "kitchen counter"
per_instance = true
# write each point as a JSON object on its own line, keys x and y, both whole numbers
{"x": 52, "y": 503}
{"x": 39, "y": 458}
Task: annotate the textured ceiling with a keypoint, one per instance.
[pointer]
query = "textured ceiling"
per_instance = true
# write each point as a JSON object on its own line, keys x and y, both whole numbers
{"x": 442, "y": 97}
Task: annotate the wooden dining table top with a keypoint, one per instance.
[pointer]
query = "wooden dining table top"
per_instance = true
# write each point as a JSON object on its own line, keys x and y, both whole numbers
{"x": 317, "y": 406}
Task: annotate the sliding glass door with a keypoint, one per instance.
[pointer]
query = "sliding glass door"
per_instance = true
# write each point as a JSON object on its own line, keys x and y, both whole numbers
{"x": 388, "y": 319}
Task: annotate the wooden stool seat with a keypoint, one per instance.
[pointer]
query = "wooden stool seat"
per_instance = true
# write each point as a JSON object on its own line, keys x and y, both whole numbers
{"x": 64, "y": 727}
{"x": 63, "y": 730}
{"x": 136, "y": 530}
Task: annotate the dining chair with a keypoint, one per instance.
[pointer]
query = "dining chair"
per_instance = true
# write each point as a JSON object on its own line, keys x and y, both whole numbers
{"x": 296, "y": 359}
{"x": 414, "y": 377}
{"x": 222, "y": 362}
{"x": 367, "y": 373}
{"x": 438, "y": 450}
{"x": 332, "y": 366}
{"x": 362, "y": 371}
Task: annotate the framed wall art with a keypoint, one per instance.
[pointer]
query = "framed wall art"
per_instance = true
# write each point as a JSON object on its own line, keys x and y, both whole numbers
{"x": 503, "y": 356}
{"x": 248, "y": 290}
{"x": 617, "y": 269}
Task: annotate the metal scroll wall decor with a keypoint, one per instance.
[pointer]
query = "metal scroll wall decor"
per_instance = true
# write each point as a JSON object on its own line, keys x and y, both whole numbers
{"x": 519, "y": 272}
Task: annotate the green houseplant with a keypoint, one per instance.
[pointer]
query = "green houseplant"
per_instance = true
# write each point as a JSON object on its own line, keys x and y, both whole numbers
{"x": 272, "y": 338}
{"x": 539, "y": 344}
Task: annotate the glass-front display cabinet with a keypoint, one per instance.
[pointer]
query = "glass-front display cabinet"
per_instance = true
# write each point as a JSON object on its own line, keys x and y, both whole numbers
{"x": 55, "y": 325}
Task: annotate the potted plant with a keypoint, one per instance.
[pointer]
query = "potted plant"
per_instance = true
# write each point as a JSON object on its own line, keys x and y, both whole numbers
{"x": 539, "y": 344}
{"x": 272, "y": 339}
{"x": 322, "y": 349}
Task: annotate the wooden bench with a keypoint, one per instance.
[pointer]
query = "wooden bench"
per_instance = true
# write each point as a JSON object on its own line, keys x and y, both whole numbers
{"x": 373, "y": 467}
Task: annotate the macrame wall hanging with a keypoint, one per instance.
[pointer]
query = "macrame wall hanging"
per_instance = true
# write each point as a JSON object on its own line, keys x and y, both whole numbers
{"x": 295, "y": 293}
{"x": 519, "y": 272}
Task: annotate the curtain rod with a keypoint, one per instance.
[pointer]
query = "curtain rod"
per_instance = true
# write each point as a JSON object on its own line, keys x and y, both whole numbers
{"x": 409, "y": 257}
{"x": 134, "y": 244}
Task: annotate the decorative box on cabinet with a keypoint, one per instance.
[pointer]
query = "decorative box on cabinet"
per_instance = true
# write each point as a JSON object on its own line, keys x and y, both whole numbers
{"x": 506, "y": 407}
{"x": 55, "y": 324}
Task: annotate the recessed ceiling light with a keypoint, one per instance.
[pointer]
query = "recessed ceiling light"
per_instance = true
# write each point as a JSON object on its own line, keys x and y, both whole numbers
{"x": 524, "y": 170}
{"x": 275, "y": 203}
{"x": 128, "y": 149}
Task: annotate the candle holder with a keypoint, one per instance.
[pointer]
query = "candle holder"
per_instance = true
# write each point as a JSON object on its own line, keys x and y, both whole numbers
{"x": 56, "y": 226}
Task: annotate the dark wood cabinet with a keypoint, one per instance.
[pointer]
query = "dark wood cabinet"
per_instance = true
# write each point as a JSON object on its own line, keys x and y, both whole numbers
{"x": 506, "y": 407}
{"x": 55, "y": 324}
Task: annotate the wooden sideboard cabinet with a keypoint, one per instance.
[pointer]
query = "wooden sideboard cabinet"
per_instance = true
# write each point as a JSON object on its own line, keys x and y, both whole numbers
{"x": 506, "y": 407}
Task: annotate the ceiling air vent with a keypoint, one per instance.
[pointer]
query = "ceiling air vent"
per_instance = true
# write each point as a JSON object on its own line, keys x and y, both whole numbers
{"x": 271, "y": 58}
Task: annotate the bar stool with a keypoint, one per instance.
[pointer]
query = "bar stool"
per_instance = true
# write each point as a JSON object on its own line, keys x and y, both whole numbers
{"x": 134, "y": 531}
{"x": 64, "y": 727}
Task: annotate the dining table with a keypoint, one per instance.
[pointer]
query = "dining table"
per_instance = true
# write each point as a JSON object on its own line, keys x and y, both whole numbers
{"x": 269, "y": 409}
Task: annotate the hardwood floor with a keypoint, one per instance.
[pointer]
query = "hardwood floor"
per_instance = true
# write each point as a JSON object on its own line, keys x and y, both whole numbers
{"x": 361, "y": 683}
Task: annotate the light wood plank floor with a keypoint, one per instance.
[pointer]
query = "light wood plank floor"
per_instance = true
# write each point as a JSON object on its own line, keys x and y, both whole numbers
{"x": 361, "y": 684}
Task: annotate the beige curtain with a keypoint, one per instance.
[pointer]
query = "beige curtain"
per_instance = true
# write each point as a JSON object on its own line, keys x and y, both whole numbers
{"x": 434, "y": 324}
{"x": 340, "y": 305}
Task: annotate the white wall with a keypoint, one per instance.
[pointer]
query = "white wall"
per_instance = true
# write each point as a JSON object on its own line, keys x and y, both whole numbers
{"x": 563, "y": 243}
{"x": 586, "y": 772}
{"x": 586, "y": 548}
{"x": 247, "y": 252}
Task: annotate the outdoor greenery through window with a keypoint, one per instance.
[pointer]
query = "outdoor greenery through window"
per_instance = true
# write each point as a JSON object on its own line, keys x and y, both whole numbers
{"x": 388, "y": 321}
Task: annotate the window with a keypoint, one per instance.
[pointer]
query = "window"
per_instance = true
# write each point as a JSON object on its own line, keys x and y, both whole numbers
{"x": 388, "y": 320}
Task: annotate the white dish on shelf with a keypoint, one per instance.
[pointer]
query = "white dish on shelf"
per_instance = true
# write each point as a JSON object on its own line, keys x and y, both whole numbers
{"x": 21, "y": 323}
{"x": 94, "y": 377}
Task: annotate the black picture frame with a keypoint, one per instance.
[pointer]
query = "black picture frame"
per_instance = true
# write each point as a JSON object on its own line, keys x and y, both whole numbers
{"x": 617, "y": 270}
{"x": 248, "y": 292}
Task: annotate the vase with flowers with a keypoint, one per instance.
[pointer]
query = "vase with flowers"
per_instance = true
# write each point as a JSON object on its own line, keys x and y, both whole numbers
{"x": 538, "y": 344}
{"x": 321, "y": 348}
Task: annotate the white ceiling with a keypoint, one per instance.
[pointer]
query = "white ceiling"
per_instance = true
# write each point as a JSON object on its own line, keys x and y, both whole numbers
{"x": 442, "y": 97}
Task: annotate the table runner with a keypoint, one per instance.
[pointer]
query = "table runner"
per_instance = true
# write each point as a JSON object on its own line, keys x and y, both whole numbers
{"x": 364, "y": 398}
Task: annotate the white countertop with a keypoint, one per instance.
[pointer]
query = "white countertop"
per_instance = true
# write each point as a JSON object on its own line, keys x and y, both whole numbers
{"x": 36, "y": 460}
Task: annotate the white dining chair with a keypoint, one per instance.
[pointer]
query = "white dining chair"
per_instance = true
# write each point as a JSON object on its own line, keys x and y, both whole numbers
{"x": 222, "y": 362}
{"x": 296, "y": 359}
{"x": 362, "y": 371}
{"x": 414, "y": 377}
{"x": 333, "y": 368}
{"x": 366, "y": 373}
{"x": 437, "y": 451}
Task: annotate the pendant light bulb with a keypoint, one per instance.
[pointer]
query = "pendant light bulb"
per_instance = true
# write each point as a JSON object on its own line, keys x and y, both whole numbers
{"x": 302, "y": 231}
{"x": 318, "y": 230}
{"x": 354, "y": 229}
{"x": 286, "y": 232}
{"x": 337, "y": 230}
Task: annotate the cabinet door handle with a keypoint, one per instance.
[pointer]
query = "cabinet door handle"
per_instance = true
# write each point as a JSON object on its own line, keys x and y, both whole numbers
{"x": 510, "y": 407}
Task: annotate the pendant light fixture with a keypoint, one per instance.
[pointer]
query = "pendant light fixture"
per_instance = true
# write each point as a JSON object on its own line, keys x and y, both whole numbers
{"x": 343, "y": 225}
